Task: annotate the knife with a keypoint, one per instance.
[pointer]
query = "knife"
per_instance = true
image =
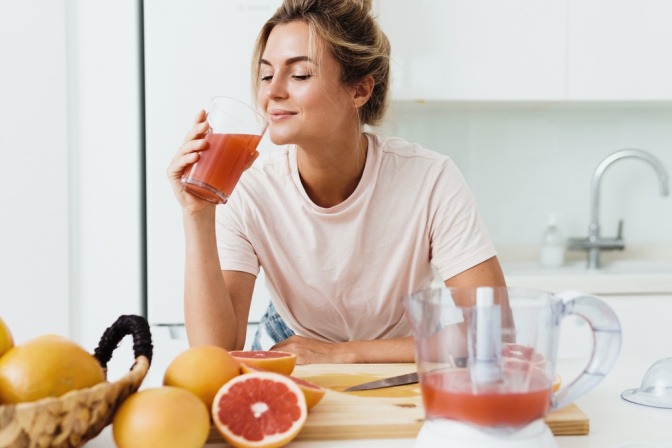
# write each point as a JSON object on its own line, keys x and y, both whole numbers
{"x": 408, "y": 378}
{"x": 400, "y": 380}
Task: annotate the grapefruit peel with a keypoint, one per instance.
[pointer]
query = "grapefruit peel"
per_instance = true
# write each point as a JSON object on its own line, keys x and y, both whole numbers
{"x": 270, "y": 360}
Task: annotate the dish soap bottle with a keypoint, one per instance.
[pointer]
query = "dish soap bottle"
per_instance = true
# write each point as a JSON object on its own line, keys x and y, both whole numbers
{"x": 553, "y": 245}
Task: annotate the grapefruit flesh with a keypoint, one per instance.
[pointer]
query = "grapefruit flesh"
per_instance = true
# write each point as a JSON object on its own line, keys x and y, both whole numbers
{"x": 270, "y": 360}
{"x": 311, "y": 391}
{"x": 259, "y": 409}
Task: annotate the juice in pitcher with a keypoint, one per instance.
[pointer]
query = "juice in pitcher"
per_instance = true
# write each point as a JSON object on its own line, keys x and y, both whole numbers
{"x": 520, "y": 398}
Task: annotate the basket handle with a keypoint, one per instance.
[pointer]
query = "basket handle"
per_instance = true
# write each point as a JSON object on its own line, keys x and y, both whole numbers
{"x": 129, "y": 324}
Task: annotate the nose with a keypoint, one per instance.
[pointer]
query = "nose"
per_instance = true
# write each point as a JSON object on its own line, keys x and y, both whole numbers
{"x": 276, "y": 89}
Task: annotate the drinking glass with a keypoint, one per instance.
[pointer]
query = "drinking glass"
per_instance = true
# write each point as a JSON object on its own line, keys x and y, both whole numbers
{"x": 235, "y": 132}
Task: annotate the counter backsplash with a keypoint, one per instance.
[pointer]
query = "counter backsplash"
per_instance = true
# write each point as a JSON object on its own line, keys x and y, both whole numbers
{"x": 526, "y": 161}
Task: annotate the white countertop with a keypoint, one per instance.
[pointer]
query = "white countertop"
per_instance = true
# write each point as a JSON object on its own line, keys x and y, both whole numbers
{"x": 616, "y": 277}
{"x": 614, "y": 422}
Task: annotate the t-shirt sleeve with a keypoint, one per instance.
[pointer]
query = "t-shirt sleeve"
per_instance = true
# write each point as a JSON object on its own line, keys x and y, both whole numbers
{"x": 458, "y": 237}
{"x": 236, "y": 252}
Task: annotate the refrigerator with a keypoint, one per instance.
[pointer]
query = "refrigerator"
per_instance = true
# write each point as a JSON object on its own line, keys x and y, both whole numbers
{"x": 192, "y": 51}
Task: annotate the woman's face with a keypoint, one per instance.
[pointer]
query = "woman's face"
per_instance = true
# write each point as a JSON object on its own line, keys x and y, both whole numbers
{"x": 305, "y": 103}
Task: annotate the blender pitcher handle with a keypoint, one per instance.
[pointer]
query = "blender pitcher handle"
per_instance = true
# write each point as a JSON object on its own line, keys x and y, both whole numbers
{"x": 606, "y": 330}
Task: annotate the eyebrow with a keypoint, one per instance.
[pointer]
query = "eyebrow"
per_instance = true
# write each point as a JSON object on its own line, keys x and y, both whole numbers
{"x": 289, "y": 61}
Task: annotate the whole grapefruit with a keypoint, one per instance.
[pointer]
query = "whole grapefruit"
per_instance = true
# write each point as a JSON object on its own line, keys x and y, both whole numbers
{"x": 6, "y": 340}
{"x": 166, "y": 417}
{"x": 202, "y": 370}
{"x": 47, "y": 366}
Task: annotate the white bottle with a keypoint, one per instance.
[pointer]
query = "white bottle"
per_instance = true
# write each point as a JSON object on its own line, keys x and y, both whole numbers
{"x": 552, "y": 245}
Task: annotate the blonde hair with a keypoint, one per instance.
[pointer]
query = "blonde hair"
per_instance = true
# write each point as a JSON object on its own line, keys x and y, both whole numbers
{"x": 347, "y": 29}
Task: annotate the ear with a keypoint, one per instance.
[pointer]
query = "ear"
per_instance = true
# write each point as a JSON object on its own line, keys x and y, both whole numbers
{"x": 363, "y": 90}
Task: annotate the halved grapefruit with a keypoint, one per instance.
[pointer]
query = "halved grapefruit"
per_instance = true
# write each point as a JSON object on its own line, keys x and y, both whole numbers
{"x": 270, "y": 360}
{"x": 311, "y": 391}
{"x": 259, "y": 409}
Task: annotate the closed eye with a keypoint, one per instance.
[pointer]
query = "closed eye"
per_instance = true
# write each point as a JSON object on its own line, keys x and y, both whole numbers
{"x": 301, "y": 77}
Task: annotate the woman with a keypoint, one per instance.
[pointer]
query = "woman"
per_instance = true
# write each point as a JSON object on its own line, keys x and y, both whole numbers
{"x": 344, "y": 223}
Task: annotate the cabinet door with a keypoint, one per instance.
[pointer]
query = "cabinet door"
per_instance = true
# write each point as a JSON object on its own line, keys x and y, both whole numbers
{"x": 476, "y": 49}
{"x": 644, "y": 325}
{"x": 620, "y": 50}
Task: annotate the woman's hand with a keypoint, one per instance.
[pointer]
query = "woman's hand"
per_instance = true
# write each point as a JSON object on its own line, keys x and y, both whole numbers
{"x": 312, "y": 351}
{"x": 186, "y": 155}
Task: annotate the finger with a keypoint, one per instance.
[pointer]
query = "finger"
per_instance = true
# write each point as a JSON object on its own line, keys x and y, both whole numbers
{"x": 179, "y": 163}
{"x": 191, "y": 146}
{"x": 200, "y": 116}
{"x": 198, "y": 130}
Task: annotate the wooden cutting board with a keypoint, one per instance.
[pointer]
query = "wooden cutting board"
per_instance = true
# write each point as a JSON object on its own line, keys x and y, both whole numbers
{"x": 395, "y": 412}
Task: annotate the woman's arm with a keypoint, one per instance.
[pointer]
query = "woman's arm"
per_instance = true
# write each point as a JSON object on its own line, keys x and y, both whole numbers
{"x": 312, "y": 351}
{"x": 487, "y": 273}
{"x": 308, "y": 351}
{"x": 216, "y": 302}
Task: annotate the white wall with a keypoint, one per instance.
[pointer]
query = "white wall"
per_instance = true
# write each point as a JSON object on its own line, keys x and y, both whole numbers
{"x": 70, "y": 235}
{"x": 34, "y": 218}
{"x": 524, "y": 161}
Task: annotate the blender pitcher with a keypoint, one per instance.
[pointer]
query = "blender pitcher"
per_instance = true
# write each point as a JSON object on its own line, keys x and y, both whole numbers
{"x": 486, "y": 358}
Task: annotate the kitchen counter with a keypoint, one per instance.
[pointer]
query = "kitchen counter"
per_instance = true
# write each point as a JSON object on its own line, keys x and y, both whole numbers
{"x": 614, "y": 422}
{"x": 616, "y": 277}
{"x": 639, "y": 269}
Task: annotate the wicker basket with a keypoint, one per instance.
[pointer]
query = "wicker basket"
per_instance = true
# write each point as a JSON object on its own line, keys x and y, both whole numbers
{"x": 80, "y": 415}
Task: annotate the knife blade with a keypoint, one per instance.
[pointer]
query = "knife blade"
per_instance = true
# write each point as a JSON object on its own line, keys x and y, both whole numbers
{"x": 400, "y": 380}
{"x": 407, "y": 378}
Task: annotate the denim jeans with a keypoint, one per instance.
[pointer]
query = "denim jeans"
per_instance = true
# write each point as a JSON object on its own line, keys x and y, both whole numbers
{"x": 272, "y": 329}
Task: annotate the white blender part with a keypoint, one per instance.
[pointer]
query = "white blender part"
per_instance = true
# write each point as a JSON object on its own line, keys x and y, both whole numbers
{"x": 440, "y": 433}
{"x": 485, "y": 370}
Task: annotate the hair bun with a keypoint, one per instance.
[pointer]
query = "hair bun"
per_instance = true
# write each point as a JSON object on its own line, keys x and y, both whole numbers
{"x": 366, "y": 5}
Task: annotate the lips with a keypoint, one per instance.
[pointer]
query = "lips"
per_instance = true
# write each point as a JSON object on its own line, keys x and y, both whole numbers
{"x": 280, "y": 114}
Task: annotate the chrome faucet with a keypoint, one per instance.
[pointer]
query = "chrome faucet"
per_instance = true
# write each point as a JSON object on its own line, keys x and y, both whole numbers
{"x": 594, "y": 243}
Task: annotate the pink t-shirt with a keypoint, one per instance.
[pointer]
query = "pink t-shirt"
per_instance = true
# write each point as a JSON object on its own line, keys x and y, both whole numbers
{"x": 340, "y": 273}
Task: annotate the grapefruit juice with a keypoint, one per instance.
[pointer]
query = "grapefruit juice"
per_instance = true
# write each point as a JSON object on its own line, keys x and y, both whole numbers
{"x": 522, "y": 398}
{"x": 219, "y": 168}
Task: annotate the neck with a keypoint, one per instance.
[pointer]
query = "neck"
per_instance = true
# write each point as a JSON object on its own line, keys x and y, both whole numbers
{"x": 331, "y": 175}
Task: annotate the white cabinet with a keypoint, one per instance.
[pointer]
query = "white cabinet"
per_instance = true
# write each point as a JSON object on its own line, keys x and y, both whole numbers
{"x": 527, "y": 50}
{"x": 644, "y": 328}
{"x": 644, "y": 324}
{"x": 476, "y": 50}
{"x": 620, "y": 50}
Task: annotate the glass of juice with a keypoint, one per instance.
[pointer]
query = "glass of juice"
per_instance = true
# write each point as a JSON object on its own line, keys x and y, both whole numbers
{"x": 235, "y": 131}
